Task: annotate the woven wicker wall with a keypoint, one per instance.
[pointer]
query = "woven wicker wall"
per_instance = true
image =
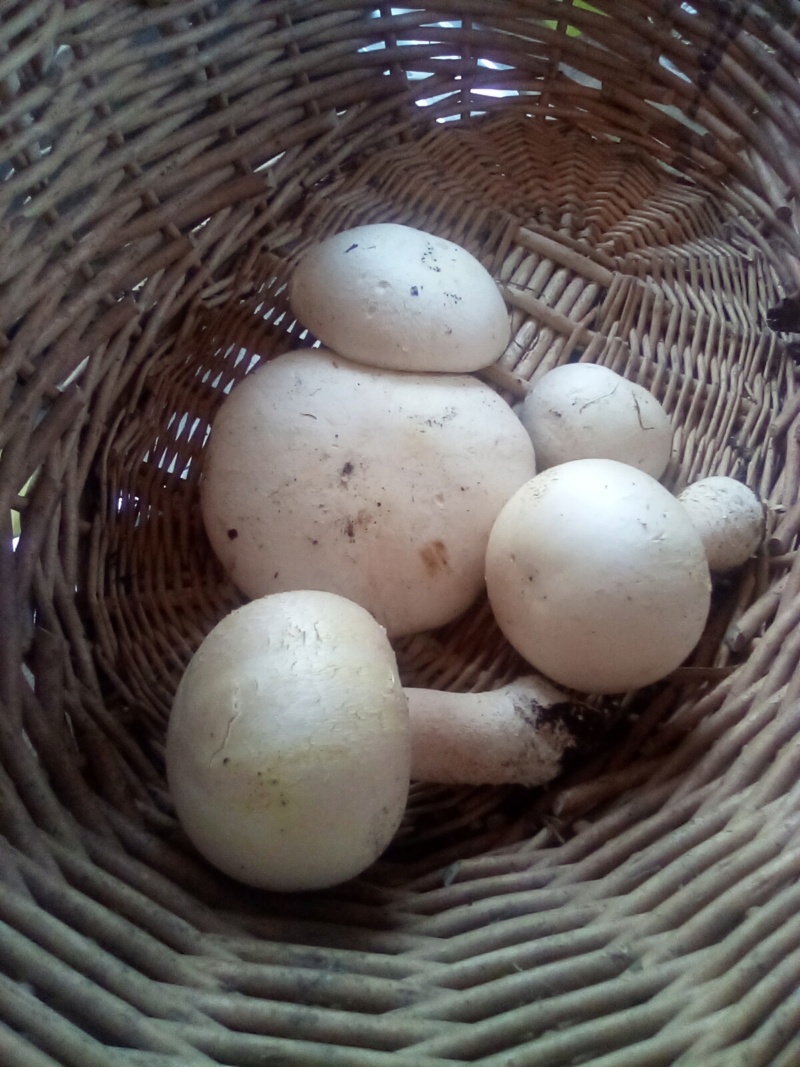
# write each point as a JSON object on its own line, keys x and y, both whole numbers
{"x": 629, "y": 172}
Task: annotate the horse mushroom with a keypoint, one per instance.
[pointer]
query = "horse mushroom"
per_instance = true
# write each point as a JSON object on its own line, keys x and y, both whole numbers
{"x": 291, "y": 743}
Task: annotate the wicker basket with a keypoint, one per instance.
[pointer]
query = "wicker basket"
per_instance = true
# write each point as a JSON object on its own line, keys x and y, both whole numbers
{"x": 629, "y": 172}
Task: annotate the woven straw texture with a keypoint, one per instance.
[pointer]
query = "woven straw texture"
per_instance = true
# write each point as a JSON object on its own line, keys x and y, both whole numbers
{"x": 629, "y": 171}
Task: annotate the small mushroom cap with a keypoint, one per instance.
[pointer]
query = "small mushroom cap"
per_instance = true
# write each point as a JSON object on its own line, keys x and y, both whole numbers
{"x": 288, "y": 747}
{"x": 393, "y": 296}
{"x": 586, "y": 410}
{"x": 379, "y": 485}
{"x": 729, "y": 517}
{"x": 597, "y": 577}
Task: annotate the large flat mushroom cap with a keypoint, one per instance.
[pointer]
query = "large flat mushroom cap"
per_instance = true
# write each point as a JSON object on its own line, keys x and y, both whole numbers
{"x": 377, "y": 485}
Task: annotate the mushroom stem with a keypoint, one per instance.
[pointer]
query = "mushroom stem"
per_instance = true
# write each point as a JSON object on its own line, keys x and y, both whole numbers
{"x": 521, "y": 733}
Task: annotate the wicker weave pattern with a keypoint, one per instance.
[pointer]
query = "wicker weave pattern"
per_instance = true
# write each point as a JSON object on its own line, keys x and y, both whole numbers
{"x": 632, "y": 182}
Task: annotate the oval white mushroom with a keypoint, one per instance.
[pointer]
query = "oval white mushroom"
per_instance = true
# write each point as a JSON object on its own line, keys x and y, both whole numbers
{"x": 597, "y": 576}
{"x": 377, "y": 485}
{"x": 394, "y": 296}
{"x": 586, "y": 410}
{"x": 523, "y": 733}
{"x": 729, "y": 517}
{"x": 288, "y": 746}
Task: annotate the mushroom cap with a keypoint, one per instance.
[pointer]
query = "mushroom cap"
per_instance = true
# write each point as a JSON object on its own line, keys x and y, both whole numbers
{"x": 377, "y": 485}
{"x": 597, "y": 577}
{"x": 729, "y": 517}
{"x": 393, "y": 296}
{"x": 288, "y": 747}
{"x": 586, "y": 410}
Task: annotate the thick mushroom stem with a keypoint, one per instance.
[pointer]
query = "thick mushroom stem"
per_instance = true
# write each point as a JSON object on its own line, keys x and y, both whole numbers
{"x": 522, "y": 733}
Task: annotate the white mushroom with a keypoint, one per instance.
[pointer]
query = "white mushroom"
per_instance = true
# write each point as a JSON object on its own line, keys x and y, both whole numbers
{"x": 597, "y": 576}
{"x": 729, "y": 517}
{"x": 291, "y": 744}
{"x": 586, "y": 410}
{"x": 288, "y": 746}
{"x": 377, "y": 485}
{"x": 393, "y": 296}
{"x": 523, "y": 733}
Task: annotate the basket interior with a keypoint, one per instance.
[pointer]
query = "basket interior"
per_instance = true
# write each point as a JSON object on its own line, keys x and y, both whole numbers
{"x": 625, "y": 171}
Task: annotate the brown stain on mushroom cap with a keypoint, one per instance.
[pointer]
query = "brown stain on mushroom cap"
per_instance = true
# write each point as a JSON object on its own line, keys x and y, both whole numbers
{"x": 434, "y": 556}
